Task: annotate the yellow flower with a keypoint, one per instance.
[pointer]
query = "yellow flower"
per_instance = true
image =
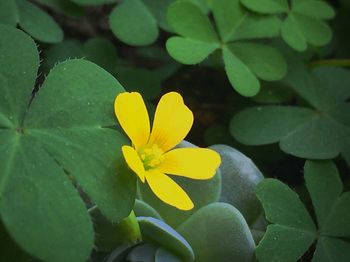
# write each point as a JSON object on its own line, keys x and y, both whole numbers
{"x": 151, "y": 157}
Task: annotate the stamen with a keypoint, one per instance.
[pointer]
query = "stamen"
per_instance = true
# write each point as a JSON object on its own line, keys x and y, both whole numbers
{"x": 151, "y": 156}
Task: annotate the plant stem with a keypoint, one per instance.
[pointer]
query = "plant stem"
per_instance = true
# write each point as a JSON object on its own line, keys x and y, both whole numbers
{"x": 333, "y": 62}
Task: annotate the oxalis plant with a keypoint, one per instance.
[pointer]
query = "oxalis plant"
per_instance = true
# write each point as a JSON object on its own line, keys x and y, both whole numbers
{"x": 174, "y": 130}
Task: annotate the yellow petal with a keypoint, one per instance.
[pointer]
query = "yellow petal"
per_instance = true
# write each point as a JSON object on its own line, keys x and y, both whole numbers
{"x": 133, "y": 117}
{"x": 134, "y": 162}
{"x": 195, "y": 163}
{"x": 172, "y": 122}
{"x": 168, "y": 191}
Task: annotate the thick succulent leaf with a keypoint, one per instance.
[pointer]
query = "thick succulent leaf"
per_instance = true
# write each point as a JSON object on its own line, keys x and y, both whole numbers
{"x": 62, "y": 233}
{"x": 18, "y": 68}
{"x": 159, "y": 233}
{"x": 133, "y": 23}
{"x": 283, "y": 243}
{"x": 337, "y": 223}
{"x": 76, "y": 122}
{"x": 188, "y": 20}
{"x": 228, "y": 15}
{"x": 314, "y": 8}
{"x": 119, "y": 254}
{"x": 219, "y": 231}
{"x": 189, "y": 51}
{"x": 324, "y": 185}
{"x": 240, "y": 76}
{"x": 267, "y": 6}
{"x": 8, "y": 12}
{"x": 264, "y": 61}
{"x": 239, "y": 178}
{"x": 164, "y": 255}
{"x": 38, "y": 23}
{"x": 143, "y": 252}
{"x": 142, "y": 209}
{"x": 331, "y": 249}
{"x": 283, "y": 206}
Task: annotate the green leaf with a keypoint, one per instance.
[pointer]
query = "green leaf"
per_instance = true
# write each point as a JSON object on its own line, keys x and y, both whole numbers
{"x": 109, "y": 235}
{"x": 274, "y": 93}
{"x": 315, "y": 31}
{"x": 18, "y": 68}
{"x": 331, "y": 249}
{"x": 300, "y": 130}
{"x": 293, "y": 230}
{"x": 283, "y": 206}
{"x": 292, "y": 35}
{"x": 324, "y": 185}
{"x": 38, "y": 23}
{"x": 159, "y": 233}
{"x": 159, "y": 8}
{"x": 94, "y": 2}
{"x": 102, "y": 52}
{"x": 316, "y": 9}
{"x": 239, "y": 179}
{"x": 164, "y": 255}
{"x": 188, "y": 20}
{"x": 283, "y": 243}
{"x": 240, "y": 76}
{"x": 257, "y": 26}
{"x": 143, "y": 252}
{"x": 8, "y": 12}
{"x": 338, "y": 220}
{"x": 60, "y": 139}
{"x": 188, "y": 51}
{"x": 268, "y": 124}
{"x": 67, "y": 49}
{"x": 303, "y": 24}
{"x": 65, "y": 7}
{"x": 219, "y": 231}
{"x": 267, "y": 6}
{"x": 142, "y": 209}
{"x": 264, "y": 61}
{"x": 228, "y": 15}
{"x": 62, "y": 233}
{"x": 133, "y": 23}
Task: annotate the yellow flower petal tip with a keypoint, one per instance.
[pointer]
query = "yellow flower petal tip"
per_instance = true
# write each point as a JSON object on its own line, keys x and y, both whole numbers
{"x": 151, "y": 156}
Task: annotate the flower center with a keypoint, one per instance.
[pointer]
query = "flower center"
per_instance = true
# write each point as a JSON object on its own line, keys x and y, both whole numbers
{"x": 151, "y": 156}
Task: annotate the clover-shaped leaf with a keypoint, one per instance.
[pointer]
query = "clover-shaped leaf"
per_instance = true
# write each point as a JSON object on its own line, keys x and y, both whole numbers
{"x": 303, "y": 23}
{"x": 319, "y": 133}
{"x": 49, "y": 142}
{"x": 31, "y": 19}
{"x": 293, "y": 231}
{"x": 245, "y": 61}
